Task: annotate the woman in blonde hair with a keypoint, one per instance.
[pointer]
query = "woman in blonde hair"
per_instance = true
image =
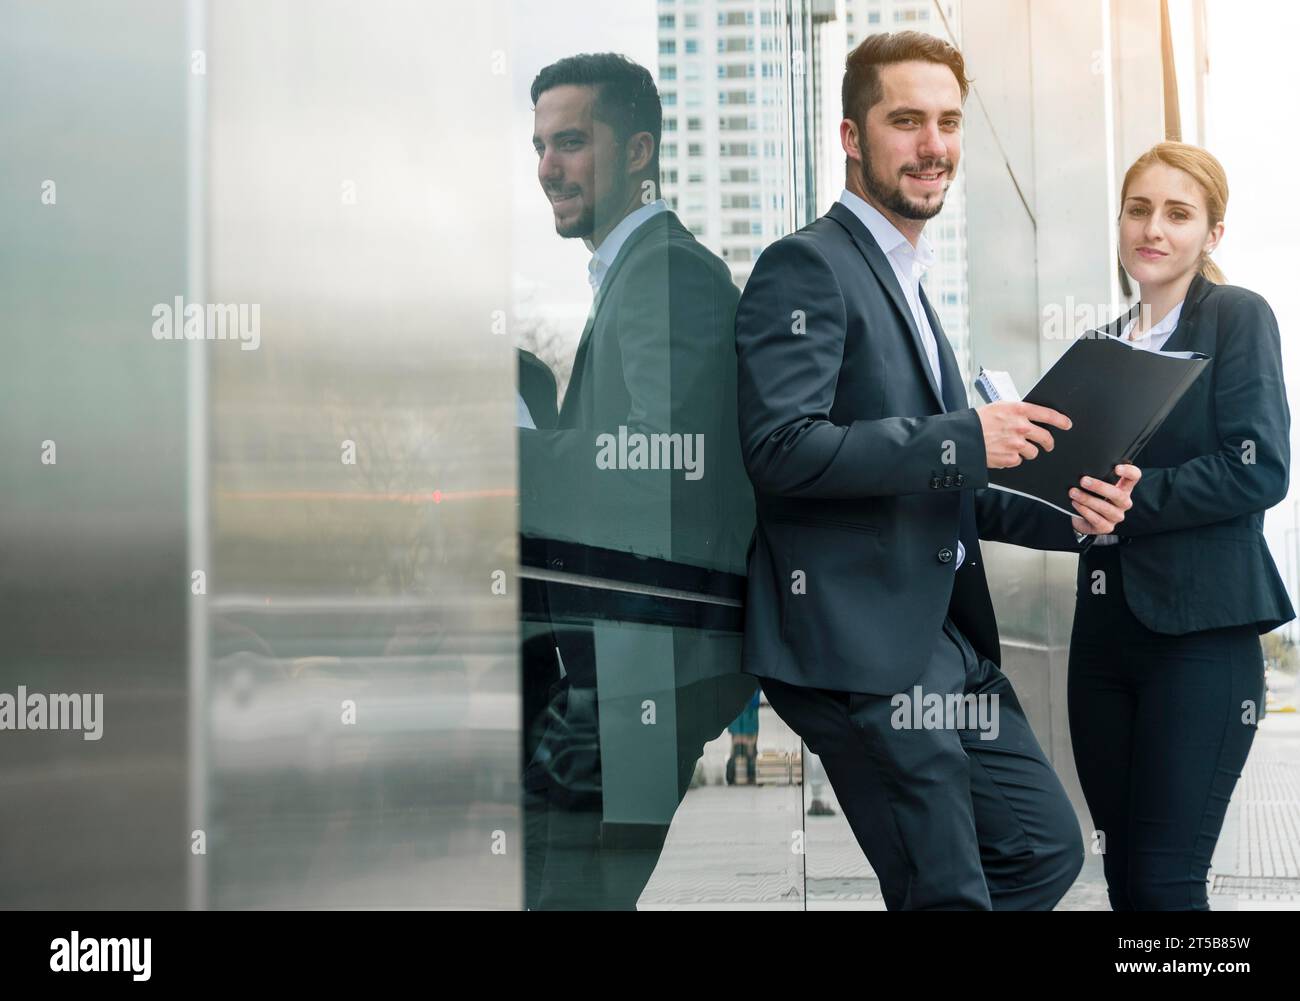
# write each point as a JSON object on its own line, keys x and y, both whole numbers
{"x": 1166, "y": 670}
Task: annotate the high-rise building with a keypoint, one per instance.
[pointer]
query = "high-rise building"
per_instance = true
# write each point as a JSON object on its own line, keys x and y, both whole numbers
{"x": 725, "y": 156}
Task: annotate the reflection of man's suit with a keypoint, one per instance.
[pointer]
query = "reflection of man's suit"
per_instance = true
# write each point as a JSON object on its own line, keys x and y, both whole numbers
{"x": 864, "y": 477}
{"x": 657, "y": 355}
{"x": 537, "y": 389}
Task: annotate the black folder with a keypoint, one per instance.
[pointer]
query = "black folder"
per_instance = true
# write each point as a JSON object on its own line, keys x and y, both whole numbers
{"x": 1117, "y": 396}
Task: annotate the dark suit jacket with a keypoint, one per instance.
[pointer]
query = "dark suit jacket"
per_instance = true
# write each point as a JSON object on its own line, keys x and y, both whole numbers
{"x": 1194, "y": 555}
{"x": 657, "y": 355}
{"x": 859, "y": 470}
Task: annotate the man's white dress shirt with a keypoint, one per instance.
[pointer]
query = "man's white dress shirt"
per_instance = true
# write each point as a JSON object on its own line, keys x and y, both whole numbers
{"x": 604, "y": 256}
{"x": 602, "y": 259}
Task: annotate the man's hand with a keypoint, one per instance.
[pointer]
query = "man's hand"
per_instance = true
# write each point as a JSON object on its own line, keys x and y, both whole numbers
{"x": 1101, "y": 505}
{"x": 1009, "y": 435}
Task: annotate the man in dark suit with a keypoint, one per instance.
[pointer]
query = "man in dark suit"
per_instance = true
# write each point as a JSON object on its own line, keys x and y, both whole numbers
{"x": 643, "y": 461}
{"x": 866, "y": 594}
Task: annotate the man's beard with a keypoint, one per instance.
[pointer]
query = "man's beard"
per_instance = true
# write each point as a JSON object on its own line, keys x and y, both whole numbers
{"x": 892, "y": 197}
{"x": 582, "y": 226}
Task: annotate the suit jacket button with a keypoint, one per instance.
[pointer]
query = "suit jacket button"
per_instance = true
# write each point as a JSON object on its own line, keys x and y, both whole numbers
{"x": 947, "y": 482}
{"x": 961, "y": 478}
{"x": 945, "y": 555}
{"x": 934, "y": 483}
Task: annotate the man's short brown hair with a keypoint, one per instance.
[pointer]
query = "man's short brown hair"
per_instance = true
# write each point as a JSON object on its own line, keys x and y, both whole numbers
{"x": 862, "y": 88}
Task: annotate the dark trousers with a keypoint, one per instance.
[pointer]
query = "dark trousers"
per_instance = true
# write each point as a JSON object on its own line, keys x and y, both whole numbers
{"x": 948, "y": 821}
{"x": 1161, "y": 727}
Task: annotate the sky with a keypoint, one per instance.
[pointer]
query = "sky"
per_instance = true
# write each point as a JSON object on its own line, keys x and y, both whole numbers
{"x": 1254, "y": 76}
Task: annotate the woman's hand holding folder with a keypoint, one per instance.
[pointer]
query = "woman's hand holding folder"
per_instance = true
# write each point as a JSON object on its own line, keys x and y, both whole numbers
{"x": 1012, "y": 435}
{"x": 1101, "y": 504}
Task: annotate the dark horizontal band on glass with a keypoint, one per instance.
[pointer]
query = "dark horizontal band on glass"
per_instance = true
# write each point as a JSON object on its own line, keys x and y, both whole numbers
{"x": 574, "y": 558}
{"x": 571, "y": 582}
{"x": 559, "y": 598}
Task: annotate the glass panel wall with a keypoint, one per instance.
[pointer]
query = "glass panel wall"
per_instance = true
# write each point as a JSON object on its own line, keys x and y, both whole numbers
{"x": 655, "y": 774}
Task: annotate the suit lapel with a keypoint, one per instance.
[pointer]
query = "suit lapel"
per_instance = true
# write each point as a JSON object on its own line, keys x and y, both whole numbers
{"x": 1196, "y": 291}
{"x": 571, "y": 394}
{"x": 954, "y": 398}
{"x": 884, "y": 271}
{"x": 579, "y": 367}
{"x": 954, "y": 390}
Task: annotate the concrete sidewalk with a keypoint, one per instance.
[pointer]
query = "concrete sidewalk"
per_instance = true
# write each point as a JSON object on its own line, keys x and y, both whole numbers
{"x": 731, "y": 847}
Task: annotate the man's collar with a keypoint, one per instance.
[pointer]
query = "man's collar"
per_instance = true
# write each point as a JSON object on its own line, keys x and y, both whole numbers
{"x": 614, "y": 240}
{"x": 885, "y": 233}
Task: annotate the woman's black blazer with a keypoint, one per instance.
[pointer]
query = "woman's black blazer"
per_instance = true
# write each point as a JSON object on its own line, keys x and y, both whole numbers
{"x": 1192, "y": 546}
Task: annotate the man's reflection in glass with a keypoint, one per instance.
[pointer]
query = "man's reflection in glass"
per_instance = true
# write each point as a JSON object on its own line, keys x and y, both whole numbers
{"x": 643, "y": 458}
